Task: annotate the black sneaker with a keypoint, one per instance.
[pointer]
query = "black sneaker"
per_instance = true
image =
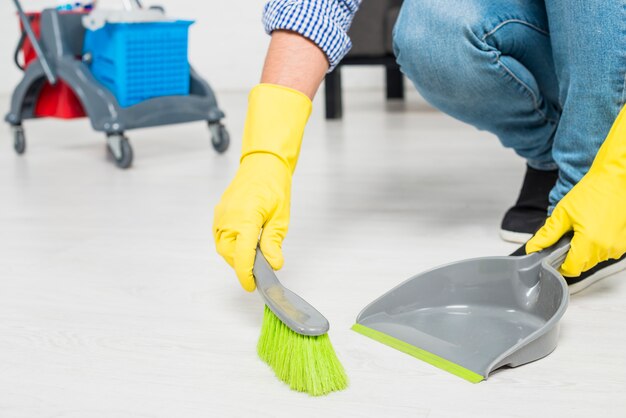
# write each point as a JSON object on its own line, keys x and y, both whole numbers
{"x": 529, "y": 213}
{"x": 591, "y": 276}
{"x": 599, "y": 272}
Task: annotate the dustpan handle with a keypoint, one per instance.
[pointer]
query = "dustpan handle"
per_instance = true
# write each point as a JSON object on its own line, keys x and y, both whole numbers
{"x": 555, "y": 255}
{"x": 36, "y": 45}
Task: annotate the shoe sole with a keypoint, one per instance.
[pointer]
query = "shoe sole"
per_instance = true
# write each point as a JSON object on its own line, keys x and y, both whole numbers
{"x": 596, "y": 277}
{"x": 515, "y": 237}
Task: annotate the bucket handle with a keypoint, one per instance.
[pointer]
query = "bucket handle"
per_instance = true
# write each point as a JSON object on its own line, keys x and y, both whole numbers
{"x": 45, "y": 65}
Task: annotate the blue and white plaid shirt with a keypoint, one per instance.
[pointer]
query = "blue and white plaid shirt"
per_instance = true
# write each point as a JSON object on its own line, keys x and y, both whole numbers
{"x": 324, "y": 22}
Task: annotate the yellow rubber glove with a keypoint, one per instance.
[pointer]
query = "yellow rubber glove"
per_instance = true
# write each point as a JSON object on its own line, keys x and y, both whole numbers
{"x": 256, "y": 203}
{"x": 595, "y": 209}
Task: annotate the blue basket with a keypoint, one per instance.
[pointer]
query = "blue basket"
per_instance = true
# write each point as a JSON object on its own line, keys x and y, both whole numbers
{"x": 139, "y": 61}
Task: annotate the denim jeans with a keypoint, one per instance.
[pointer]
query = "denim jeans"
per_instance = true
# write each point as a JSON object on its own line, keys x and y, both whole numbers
{"x": 547, "y": 77}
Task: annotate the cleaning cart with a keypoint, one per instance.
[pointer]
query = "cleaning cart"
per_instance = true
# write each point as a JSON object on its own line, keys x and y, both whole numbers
{"x": 71, "y": 72}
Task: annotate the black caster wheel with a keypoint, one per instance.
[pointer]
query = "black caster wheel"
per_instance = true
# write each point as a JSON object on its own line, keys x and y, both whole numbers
{"x": 19, "y": 140}
{"x": 219, "y": 137}
{"x": 120, "y": 150}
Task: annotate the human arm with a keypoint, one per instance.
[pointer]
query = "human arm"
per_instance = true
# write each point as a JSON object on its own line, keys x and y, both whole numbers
{"x": 594, "y": 209}
{"x": 254, "y": 209}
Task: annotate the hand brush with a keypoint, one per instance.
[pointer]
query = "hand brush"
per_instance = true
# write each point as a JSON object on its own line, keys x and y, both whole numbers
{"x": 294, "y": 337}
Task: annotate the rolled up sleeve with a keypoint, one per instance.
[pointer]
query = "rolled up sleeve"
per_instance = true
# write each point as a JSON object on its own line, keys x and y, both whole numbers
{"x": 324, "y": 22}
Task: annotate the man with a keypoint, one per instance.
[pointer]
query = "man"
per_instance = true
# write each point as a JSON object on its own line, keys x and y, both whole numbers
{"x": 546, "y": 76}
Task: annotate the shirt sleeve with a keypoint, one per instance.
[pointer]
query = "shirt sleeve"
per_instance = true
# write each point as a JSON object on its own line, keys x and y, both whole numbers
{"x": 325, "y": 22}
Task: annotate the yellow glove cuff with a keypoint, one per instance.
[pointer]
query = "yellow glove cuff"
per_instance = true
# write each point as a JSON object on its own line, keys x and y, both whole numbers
{"x": 275, "y": 124}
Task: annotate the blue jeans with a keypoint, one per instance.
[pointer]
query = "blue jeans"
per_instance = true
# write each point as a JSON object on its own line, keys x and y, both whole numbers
{"x": 545, "y": 76}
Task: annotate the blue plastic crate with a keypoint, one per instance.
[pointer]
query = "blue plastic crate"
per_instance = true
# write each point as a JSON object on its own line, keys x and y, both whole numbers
{"x": 139, "y": 61}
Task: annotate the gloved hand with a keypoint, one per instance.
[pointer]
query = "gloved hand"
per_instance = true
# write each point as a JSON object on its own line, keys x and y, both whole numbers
{"x": 595, "y": 209}
{"x": 256, "y": 203}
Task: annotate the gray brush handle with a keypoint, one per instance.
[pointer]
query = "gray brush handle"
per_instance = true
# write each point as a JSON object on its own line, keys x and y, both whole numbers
{"x": 290, "y": 308}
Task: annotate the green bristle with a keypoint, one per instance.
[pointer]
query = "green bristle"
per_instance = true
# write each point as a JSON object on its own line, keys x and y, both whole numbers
{"x": 306, "y": 364}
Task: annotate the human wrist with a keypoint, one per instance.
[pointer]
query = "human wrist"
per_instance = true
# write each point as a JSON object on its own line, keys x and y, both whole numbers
{"x": 277, "y": 116}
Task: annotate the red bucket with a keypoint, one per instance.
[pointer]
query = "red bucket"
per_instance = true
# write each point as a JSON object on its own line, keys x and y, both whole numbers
{"x": 58, "y": 101}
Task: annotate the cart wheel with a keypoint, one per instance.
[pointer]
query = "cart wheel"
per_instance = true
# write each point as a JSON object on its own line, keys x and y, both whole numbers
{"x": 219, "y": 137}
{"x": 19, "y": 140}
{"x": 120, "y": 150}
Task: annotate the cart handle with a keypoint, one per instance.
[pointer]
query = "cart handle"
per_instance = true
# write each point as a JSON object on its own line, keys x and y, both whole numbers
{"x": 36, "y": 45}
{"x": 132, "y": 4}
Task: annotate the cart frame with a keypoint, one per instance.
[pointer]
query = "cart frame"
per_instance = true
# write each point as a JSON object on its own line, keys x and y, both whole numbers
{"x": 57, "y": 49}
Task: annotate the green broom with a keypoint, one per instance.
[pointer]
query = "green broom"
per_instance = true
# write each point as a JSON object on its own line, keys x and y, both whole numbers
{"x": 294, "y": 338}
{"x": 306, "y": 363}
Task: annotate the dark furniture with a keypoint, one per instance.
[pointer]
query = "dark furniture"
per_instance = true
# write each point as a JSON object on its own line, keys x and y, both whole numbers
{"x": 371, "y": 35}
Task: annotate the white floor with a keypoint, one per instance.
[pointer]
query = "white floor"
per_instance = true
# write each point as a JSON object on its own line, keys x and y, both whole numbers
{"x": 113, "y": 302}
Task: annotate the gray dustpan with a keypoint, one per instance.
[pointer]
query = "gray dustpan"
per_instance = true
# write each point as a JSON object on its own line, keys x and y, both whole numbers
{"x": 475, "y": 316}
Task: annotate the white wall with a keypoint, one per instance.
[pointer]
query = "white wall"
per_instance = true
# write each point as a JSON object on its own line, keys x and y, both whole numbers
{"x": 227, "y": 43}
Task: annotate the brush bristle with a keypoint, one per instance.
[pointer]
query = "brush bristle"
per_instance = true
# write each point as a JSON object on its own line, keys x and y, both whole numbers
{"x": 306, "y": 364}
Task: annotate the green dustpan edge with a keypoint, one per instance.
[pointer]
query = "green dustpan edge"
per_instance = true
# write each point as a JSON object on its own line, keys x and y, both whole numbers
{"x": 416, "y": 352}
